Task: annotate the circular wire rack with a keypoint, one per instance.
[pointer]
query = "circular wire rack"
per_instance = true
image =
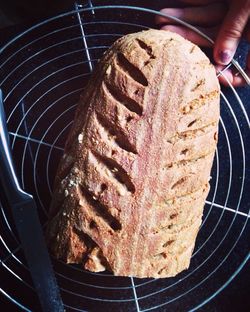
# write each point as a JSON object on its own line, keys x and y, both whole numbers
{"x": 46, "y": 68}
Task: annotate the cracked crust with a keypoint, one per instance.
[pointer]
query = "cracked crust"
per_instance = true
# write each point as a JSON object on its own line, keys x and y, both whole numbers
{"x": 131, "y": 186}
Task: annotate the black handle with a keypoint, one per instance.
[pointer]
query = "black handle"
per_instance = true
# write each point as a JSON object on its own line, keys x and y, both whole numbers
{"x": 33, "y": 243}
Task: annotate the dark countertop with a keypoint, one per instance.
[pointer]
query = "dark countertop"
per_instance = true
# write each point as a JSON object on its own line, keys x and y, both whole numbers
{"x": 235, "y": 297}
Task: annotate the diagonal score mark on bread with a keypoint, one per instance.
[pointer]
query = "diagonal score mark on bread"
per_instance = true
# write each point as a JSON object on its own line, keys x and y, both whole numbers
{"x": 129, "y": 69}
{"x": 117, "y": 134}
{"x": 98, "y": 212}
{"x": 122, "y": 99}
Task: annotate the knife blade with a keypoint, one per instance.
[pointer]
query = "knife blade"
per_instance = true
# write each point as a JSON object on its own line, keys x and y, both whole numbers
{"x": 28, "y": 227}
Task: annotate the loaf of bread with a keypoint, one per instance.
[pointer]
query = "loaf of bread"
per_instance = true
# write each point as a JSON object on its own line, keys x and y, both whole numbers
{"x": 131, "y": 186}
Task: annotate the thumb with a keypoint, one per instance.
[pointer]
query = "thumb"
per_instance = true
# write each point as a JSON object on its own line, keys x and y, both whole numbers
{"x": 231, "y": 31}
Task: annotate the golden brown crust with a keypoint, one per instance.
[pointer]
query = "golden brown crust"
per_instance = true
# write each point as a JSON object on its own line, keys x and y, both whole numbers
{"x": 131, "y": 187}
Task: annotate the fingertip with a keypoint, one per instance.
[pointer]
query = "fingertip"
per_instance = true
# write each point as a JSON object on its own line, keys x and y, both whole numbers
{"x": 223, "y": 56}
{"x": 228, "y": 78}
{"x": 168, "y": 27}
{"x": 225, "y": 76}
{"x": 175, "y": 29}
{"x": 170, "y": 12}
{"x": 188, "y": 34}
{"x": 223, "y": 81}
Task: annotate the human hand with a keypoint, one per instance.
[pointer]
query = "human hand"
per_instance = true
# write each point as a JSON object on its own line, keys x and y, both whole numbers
{"x": 224, "y": 21}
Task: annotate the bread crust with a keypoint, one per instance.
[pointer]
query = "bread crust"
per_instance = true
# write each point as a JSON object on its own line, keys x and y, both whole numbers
{"x": 131, "y": 186}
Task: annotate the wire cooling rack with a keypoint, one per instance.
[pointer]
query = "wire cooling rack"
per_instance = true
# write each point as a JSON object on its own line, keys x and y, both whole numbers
{"x": 45, "y": 70}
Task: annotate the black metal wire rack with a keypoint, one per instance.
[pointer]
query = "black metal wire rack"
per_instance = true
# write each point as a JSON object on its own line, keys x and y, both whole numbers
{"x": 45, "y": 70}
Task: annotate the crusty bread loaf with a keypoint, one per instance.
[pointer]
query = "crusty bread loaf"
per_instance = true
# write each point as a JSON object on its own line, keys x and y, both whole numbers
{"x": 131, "y": 186}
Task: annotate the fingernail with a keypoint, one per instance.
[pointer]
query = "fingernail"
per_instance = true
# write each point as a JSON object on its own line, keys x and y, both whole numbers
{"x": 225, "y": 56}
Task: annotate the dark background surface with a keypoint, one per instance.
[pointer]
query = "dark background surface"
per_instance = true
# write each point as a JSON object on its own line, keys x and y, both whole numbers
{"x": 16, "y": 16}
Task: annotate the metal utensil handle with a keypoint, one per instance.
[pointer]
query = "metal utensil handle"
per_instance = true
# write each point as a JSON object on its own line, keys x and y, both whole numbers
{"x": 8, "y": 177}
{"x": 241, "y": 71}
